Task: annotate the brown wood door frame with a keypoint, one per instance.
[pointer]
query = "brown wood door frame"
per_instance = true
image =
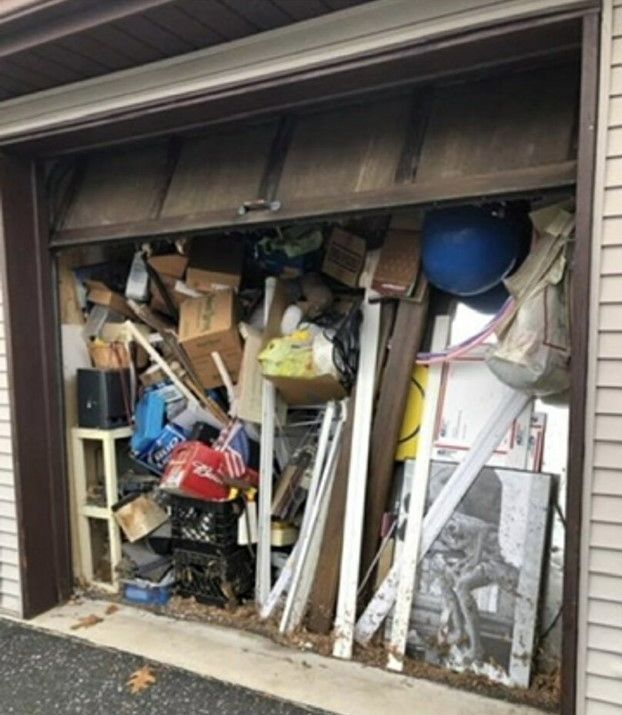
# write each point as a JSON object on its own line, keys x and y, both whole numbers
{"x": 35, "y": 375}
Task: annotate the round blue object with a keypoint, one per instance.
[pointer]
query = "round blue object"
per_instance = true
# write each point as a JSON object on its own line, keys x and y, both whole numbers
{"x": 467, "y": 250}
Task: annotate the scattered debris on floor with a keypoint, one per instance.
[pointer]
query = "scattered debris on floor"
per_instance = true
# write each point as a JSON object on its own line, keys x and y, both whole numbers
{"x": 87, "y": 622}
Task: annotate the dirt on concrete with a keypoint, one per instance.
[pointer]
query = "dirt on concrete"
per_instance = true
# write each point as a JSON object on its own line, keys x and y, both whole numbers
{"x": 543, "y": 694}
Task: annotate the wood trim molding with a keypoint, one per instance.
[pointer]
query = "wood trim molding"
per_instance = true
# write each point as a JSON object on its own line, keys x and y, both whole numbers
{"x": 34, "y": 369}
{"x": 580, "y": 310}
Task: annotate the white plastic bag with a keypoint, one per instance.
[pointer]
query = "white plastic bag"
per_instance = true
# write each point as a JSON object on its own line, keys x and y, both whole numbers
{"x": 533, "y": 352}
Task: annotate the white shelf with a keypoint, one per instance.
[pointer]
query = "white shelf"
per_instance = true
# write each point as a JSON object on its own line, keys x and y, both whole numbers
{"x": 86, "y": 512}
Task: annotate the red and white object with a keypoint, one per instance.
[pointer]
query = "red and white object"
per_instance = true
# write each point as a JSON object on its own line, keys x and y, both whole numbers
{"x": 199, "y": 471}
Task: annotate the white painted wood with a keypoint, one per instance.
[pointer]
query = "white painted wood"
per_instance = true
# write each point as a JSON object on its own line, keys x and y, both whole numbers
{"x": 418, "y": 479}
{"x": 607, "y": 664}
{"x": 605, "y": 638}
{"x": 610, "y": 287}
{"x": 605, "y": 586}
{"x": 609, "y": 401}
{"x": 608, "y": 375}
{"x": 300, "y": 46}
{"x": 607, "y": 508}
{"x": 263, "y": 579}
{"x": 612, "y": 230}
{"x": 604, "y": 534}
{"x": 607, "y": 454}
{"x": 614, "y": 165}
{"x": 309, "y": 552}
{"x": 85, "y": 512}
{"x": 606, "y": 481}
{"x": 604, "y": 612}
{"x": 287, "y": 574}
{"x": 611, "y": 260}
{"x": 605, "y": 689}
{"x": 357, "y": 479}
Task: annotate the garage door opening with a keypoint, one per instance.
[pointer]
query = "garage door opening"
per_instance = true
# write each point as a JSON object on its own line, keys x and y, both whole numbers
{"x": 173, "y": 357}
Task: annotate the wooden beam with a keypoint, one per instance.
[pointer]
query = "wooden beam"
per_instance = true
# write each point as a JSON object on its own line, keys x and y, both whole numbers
{"x": 324, "y": 592}
{"x": 418, "y": 492}
{"x": 580, "y": 305}
{"x": 408, "y": 332}
{"x": 357, "y": 478}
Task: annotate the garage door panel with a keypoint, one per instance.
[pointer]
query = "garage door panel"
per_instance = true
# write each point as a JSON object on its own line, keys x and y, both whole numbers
{"x": 345, "y": 150}
{"x": 220, "y": 171}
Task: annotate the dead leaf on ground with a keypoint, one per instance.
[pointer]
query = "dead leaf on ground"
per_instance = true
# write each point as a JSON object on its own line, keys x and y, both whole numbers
{"x": 141, "y": 679}
{"x": 112, "y": 608}
{"x": 87, "y": 622}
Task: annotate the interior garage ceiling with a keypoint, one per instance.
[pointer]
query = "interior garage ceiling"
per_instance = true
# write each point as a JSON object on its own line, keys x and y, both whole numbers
{"x": 48, "y": 43}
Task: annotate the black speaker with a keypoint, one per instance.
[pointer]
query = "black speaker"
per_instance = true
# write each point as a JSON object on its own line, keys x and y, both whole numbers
{"x": 101, "y": 401}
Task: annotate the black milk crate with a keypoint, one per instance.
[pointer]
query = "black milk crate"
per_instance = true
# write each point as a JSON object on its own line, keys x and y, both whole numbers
{"x": 199, "y": 525}
{"x": 220, "y": 577}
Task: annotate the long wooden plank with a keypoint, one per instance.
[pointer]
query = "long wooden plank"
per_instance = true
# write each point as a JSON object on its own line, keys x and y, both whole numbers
{"x": 357, "y": 478}
{"x": 418, "y": 492}
{"x": 263, "y": 580}
{"x": 306, "y": 563}
{"x": 407, "y": 335}
{"x": 324, "y": 593}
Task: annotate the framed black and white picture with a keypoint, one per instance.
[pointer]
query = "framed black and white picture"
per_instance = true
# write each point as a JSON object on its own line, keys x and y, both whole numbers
{"x": 476, "y": 600}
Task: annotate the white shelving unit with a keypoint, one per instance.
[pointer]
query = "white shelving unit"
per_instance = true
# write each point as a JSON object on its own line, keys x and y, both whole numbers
{"x": 84, "y": 475}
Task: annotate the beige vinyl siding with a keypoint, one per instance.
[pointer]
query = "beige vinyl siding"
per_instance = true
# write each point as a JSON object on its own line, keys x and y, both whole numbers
{"x": 600, "y": 628}
{"x": 10, "y": 592}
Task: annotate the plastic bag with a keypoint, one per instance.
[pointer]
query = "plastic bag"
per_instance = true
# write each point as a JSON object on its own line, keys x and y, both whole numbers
{"x": 533, "y": 352}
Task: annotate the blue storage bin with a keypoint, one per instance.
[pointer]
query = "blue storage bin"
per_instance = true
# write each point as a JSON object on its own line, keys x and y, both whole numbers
{"x": 146, "y": 593}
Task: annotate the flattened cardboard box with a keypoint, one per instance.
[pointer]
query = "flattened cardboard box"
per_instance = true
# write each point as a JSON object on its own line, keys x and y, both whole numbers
{"x": 170, "y": 264}
{"x": 345, "y": 257}
{"x": 208, "y": 324}
{"x": 215, "y": 262}
{"x": 398, "y": 267}
{"x": 100, "y": 294}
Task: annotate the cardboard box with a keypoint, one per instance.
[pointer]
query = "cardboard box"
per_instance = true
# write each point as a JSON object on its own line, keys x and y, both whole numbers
{"x": 208, "y": 324}
{"x": 345, "y": 257}
{"x": 100, "y": 294}
{"x": 172, "y": 265}
{"x": 297, "y": 390}
{"x": 399, "y": 264}
{"x": 215, "y": 262}
{"x": 177, "y": 290}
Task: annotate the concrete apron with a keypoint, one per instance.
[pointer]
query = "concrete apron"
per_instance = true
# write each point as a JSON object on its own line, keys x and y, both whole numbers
{"x": 255, "y": 662}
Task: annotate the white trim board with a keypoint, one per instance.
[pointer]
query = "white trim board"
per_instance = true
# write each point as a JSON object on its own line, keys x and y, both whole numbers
{"x": 254, "y": 662}
{"x": 336, "y": 37}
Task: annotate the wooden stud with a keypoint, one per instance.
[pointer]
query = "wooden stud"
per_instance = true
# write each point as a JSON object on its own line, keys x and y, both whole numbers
{"x": 407, "y": 335}
{"x": 357, "y": 478}
{"x": 286, "y": 575}
{"x": 418, "y": 493}
{"x": 324, "y": 593}
{"x": 307, "y": 558}
{"x": 263, "y": 579}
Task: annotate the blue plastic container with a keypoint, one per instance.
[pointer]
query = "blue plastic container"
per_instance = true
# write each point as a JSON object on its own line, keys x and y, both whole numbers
{"x": 147, "y": 594}
{"x": 150, "y": 419}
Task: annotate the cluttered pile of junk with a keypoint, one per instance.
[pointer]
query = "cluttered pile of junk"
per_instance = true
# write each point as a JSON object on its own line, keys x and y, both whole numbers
{"x": 339, "y": 423}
